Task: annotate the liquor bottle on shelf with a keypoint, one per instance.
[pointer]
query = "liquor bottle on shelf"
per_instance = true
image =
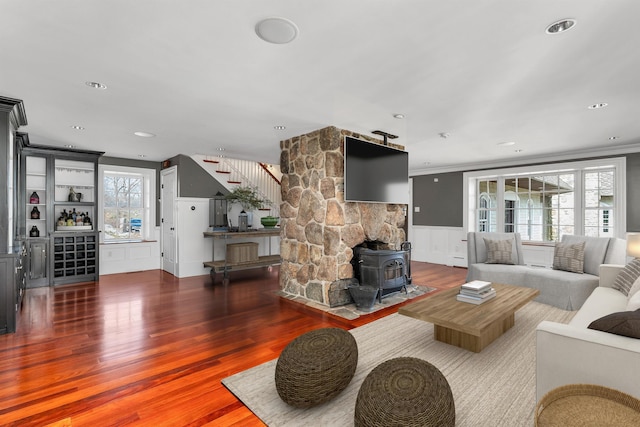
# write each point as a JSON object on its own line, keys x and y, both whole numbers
{"x": 34, "y": 199}
{"x": 35, "y": 213}
{"x": 34, "y": 232}
{"x": 87, "y": 220}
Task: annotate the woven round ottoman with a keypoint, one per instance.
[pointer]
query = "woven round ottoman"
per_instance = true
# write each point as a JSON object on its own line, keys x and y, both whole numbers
{"x": 316, "y": 367}
{"x": 405, "y": 391}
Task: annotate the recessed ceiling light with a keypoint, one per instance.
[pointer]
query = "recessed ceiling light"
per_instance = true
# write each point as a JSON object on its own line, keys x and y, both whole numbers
{"x": 144, "y": 134}
{"x": 506, "y": 143}
{"x": 613, "y": 138}
{"x": 76, "y": 127}
{"x": 220, "y": 149}
{"x": 596, "y": 106}
{"x": 277, "y": 30}
{"x": 518, "y": 150}
{"x": 561, "y": 26}
{"x": 142, "y": 156}
{"x": 69, "y": 146}
{"x": 96, "y": 85}
{"x": 399, "y": 116}
{"x": 279, "y": 127}
{"x": 444, "y": 135}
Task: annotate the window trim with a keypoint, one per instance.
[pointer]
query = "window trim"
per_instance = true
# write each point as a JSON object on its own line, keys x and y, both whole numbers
{"x": 617, "y": 163}
{"x": 149, "y": 205}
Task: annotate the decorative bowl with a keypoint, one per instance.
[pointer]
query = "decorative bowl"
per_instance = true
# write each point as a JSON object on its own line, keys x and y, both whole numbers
{"x": 269, "y": 221}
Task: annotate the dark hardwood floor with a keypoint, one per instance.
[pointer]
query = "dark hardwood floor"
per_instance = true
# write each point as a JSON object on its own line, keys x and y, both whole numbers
{"x": 149, "y": 349}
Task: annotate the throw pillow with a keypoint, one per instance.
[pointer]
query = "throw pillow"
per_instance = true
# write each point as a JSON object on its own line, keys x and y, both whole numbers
{"x": 634, "y": 288}
{"x": 624, "y": 280}
{"x": 569, "y": 257}
{"x": 498, "y": 251}
{"x": 625, "y": 323}
{"x": 634, "y": 302}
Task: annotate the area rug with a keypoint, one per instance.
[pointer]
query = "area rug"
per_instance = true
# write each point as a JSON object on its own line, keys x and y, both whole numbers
{"x": 493, "y": 388}
{"x": 350, "y": 311}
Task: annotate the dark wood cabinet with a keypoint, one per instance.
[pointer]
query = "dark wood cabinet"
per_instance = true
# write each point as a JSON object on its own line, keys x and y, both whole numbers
{"x": 12, "y": 287}
{"x": 36, "y": 266}
{"x": 12, "y": 284}
{"x": 56, "y": 182}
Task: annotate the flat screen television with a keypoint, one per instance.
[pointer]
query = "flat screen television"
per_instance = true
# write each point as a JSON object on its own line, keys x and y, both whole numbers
{"x": 375, "y": 173}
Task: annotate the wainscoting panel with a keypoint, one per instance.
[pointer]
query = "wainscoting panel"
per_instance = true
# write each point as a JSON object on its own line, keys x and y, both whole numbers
{"x": 130, "y": 257}
{"x": 448, "y": 246}
{"x": 439, "y": 245}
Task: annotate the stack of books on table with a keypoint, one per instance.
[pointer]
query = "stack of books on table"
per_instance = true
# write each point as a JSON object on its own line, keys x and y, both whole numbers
{"x": 476, "y": 292}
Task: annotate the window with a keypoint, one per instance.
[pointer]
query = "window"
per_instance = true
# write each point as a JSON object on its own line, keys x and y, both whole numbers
{"x": 126, "y": 196}
{"x": 542, "y": 203}
{"x": 487, "y": 205}
{"x": 539, "y": 206}
{"x": 599, "y": 203}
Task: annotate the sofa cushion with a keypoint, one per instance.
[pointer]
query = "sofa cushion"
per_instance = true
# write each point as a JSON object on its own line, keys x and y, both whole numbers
{"x": 559, "y": 288}
{"x": 625, "y": 323}
{"x": 498, "y": 273}
{"x": 625, "y": 279}
{"x": 477, "y": 250}
{"x": 595, "y": 250}
{"x": 569, "y": 257}
{"x": 634, "y": 302}
{"x": 634, "y": 288}
{"x": 499, "y": 251}
{"x": 601, "y": 302}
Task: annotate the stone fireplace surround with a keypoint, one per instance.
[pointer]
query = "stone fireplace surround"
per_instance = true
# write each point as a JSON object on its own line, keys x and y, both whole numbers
{"x": 318, "y": 228}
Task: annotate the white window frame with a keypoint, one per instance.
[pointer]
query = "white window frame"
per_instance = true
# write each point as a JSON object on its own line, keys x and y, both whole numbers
{"x": 617, "y": 163}
{"x": 149, "y": 195}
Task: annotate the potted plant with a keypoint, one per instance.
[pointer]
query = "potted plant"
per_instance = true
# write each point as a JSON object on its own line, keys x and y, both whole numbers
{"x": 247, "y": 197}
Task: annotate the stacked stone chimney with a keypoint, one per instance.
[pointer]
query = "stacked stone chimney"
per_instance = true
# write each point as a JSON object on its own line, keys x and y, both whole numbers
{"x": 319, "y": 229}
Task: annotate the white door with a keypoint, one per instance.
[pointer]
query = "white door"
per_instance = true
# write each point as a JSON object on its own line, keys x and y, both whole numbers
{"x": 168, "y": 224}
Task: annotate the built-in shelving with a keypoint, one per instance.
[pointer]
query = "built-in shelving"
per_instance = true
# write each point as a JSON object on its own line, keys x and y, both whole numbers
{"x": 61, "y": 252}
{"x": 74, "y": 255}
{"x": 36, "y": 197}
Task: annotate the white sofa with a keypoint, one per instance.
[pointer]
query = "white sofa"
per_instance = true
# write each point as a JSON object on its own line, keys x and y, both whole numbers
{"x": 562, "y": 289}
{"x": 572, "y": 354}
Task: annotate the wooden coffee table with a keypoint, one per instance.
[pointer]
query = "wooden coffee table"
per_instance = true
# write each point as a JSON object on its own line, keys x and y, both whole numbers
{"x": 470, "y": 326}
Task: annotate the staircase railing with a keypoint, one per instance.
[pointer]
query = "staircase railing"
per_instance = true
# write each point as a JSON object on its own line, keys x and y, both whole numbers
{"x": 232, "y": 173}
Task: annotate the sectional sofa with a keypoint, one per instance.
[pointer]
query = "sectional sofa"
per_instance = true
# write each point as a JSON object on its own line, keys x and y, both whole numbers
{"x": 564, "y": 289}
{"x": 574, "y": 354}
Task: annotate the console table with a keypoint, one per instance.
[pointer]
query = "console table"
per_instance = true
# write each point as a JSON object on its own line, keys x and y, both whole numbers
{"x": 224, "y": 266}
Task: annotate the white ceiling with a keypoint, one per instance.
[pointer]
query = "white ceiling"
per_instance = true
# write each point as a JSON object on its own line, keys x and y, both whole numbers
{"x": 194, "y": 73}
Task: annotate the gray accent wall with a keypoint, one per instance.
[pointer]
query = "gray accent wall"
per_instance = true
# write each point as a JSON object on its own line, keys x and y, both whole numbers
{"x": 441, "y": 203}
{"x": 193, "y": 180}
{"x": 633, "y": 192}
{"x": 439, "y": 197}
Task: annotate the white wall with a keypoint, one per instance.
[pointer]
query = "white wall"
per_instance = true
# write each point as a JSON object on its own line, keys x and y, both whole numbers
{"x": 192, "y": 219}
{"x": 128, "y": 257}
{"x": 194, "y": 249}
{"x": 439, "y": 245}
{"x": 448, "y": 246}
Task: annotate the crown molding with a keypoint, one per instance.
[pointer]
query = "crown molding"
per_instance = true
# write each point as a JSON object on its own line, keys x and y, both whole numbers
{"x": 532, "y": 160}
